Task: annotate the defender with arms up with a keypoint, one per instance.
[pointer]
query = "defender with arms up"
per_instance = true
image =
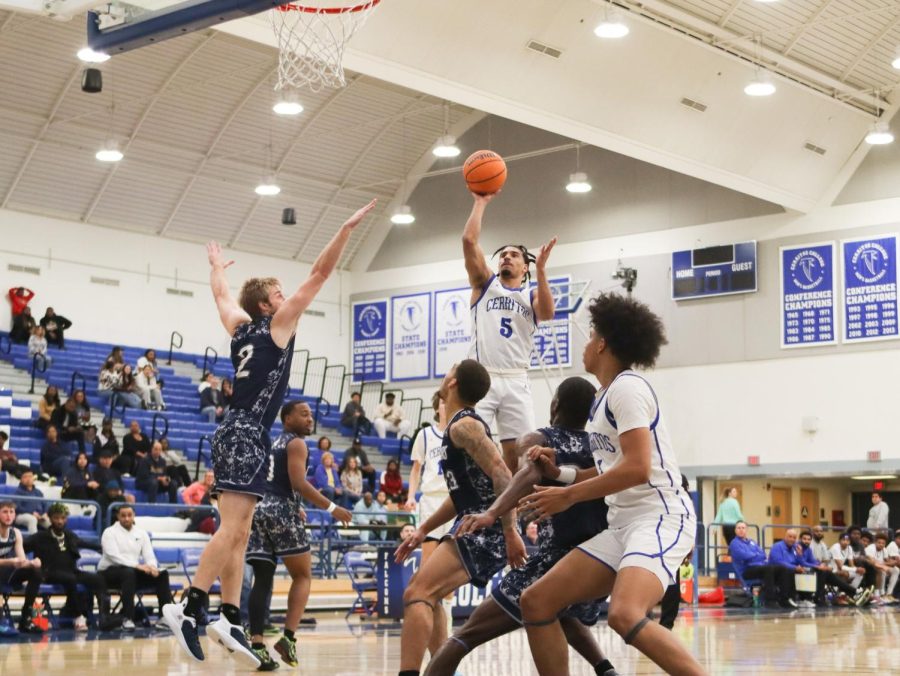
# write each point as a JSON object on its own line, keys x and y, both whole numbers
{"x": 262, "y": 326}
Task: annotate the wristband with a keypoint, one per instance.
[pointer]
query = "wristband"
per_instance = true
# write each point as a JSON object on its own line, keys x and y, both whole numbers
{"x": 331, "y": 507}
{"x": 567, "y": 475}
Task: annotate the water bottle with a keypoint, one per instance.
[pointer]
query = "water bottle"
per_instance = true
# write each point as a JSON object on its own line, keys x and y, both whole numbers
{"x": 755, "y": 592}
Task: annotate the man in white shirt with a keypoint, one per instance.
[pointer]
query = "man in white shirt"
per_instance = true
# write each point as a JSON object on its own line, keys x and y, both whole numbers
{"x": 878, "y": 515}
{"x": 390, "y": 417}
{"x": 887, "y": 573}
{"x": 819, "y": 548}
{"x": 124, "y": 545}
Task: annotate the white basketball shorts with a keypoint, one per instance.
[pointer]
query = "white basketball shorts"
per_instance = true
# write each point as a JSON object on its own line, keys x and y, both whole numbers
{"x": 428, "y": 505}
{"x": 509, "y": 404}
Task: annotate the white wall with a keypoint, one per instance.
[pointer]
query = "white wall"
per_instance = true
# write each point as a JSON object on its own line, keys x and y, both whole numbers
{"x": 725, "y": 405}
{"x": 139, "y": 311}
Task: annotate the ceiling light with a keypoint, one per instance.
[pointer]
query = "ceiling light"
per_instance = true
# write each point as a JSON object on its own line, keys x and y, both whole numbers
{"x": 88, "y": 55}
{"x": 896, "y": 62}
{"x": 578, "y": 182}
{"x": 612, "y": 26}
{"x": 879, "y": 135}
{"x": 109, "y": 152}
{"x": 873, "y": 477}
{"x": 288, "y": 104}
{"x": 403, "y": 216}
{"x": 446, "y": 147}
{"x": 761, "y": 85}
{"x": 268, "y": 187}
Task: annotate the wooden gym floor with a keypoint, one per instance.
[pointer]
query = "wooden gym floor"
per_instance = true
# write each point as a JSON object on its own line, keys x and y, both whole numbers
{"x": 837, "y": 641}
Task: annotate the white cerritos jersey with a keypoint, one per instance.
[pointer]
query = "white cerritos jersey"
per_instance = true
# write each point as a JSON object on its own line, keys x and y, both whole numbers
{"x": 427, "y": 450}
{"x": 630, "y": 403}
{"x": 503, "y": 325}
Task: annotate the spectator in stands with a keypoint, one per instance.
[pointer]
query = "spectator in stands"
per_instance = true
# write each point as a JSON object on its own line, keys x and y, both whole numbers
{"x": 55, "y": 325}
{"x": 149, "y": 359}
{"x": 820, "y": 550}
{"x": 57, "y": 548}
{"x": 392, "y": 482}
{"x": 825, "y": 576}
{"x": 151, "y": 476}
{"x": 19, "y": 298}
{"x": 105, "y": 474}
{"x": 749, "y": 561}
{"x": 351, "y": 480}
{"x": 729, "y": 513}
{"x": 367, "y": 468}
{"x": 22, "y": 326}
{"x": 326, "y": 479}
{"x": 90, "y": 439}
{"x": 789, "y": 554}
{"x": 124, "y": 545}
{"x": 151, "y": 396}
{"x": 368, "y": 511}
{"x": 390, "y": 417}
{"x": 197, "y": 491}
{"x": 531, "y": 534}
{"x": 55, "y": 457}
{"x": 17, "y": 570}
{"x": 31, "y": 514}
{"x": 46, "y": 405}
{"x": 887, "y": 573}
{"x": 407, "y": 530}
{"x": 878, "y": 514}
{"x": 37, "y": 345}
{"x": 106, "y": 439}
{"x": 212, "y": 403}
{"x": 858, "y": 574}
{"x": 67, "y": 423}
{"x": 174, "y": 467}
{"x": 83, "y": 408}
{"x": 227, "y": 392}
{"x": 135, "y": 447}
{"x": 354, "y": 416}
{"x": 109, "y": 379}
{"x": 78, "y": 483}
{"x": 127, "y": 391}
{"x": 8, "y": 460}
{"x": 323, "y": 444}
{"x": 117, "y": 354}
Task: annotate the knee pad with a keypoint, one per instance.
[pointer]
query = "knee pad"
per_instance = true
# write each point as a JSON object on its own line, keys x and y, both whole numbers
{"x": 633, "y": 632}
{"x": 407, "y": 604}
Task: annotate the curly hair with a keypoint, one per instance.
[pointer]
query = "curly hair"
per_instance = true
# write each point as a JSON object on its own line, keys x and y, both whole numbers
{"x": 631, "y": 330}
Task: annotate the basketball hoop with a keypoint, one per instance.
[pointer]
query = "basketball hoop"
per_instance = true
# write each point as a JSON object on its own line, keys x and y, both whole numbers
{"x": 311, "y": 39}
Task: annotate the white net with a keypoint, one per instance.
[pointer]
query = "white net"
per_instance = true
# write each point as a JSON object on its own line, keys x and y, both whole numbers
{"x": 311, "y": 39}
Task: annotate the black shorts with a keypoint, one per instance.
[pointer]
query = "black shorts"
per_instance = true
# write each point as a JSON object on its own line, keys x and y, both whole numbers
{"x": 508, "y": 593}
{"x": 483, "y": 552}
{"x": 277, "y": 530}
{"x": 240, "y": 455}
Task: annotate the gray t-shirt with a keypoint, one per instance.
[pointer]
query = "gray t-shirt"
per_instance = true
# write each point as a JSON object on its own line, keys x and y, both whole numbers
{"x": 878, "y": 516}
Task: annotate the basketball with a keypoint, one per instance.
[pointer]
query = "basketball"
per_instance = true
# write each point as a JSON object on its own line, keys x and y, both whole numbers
{"x": 485, "y": 172}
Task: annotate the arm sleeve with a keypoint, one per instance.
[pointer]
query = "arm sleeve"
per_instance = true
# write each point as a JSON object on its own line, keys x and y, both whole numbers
{"x": 632, "y": 404}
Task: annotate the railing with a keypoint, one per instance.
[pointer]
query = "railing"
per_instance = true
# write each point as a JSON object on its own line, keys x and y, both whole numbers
{"x": 160, "y": 507}
{"x": 319, "y": 410}
{"x": 173, "y": 344}
{"x": 153, "y": 430}
{"x": 35, "y": 360}
{"x": 207, "y": 439}
{"x": 333, "y": 383}
{"x": 215, "y": 358}
{"x": 711, "y": 545}
{"x": 370, "y": 395}
{"x": 83, "y": 388}
{"x": 8, "y": 348}
{"x": 298, "y": 369}
{"x": 96, "y": 516}
{"x": 314, "y": 376}
{"x": 114, "y": 404}
{"x": 413, "y": 408}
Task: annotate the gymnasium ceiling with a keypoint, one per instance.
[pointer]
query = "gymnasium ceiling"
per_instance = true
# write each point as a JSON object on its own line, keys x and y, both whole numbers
{"x": 195, "y": 111}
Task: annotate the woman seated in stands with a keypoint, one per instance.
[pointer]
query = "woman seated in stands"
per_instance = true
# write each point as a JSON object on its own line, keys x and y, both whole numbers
{"x": 37, "y": 344}
{"x": 151, "y": 395}
{"x": 392, "y": 482}
{"x": 127, "y": 391}
{"x": 324, "y": 444}
{"x": 351, "y": 480}
{"x": 109, "y": 380}
{"x": 106, "y": 440}
{"x": 326, "y": 479}
{"x": 83, "y": 408}
{"x": 47, "y": 404}
{"x": 78, "y": 484}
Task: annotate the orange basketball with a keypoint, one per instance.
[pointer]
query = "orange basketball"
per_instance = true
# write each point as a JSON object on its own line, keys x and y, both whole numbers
{"x": 485, "y": 172}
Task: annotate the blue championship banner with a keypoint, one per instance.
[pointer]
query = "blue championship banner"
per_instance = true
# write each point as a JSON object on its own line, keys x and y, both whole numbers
{"x": 411, "y": 336}
{"x": 808, "y": 298}
{"x": 452, "y": 328}
{"x": 545, "y": 349}
{"x": 869, "y": 268}
{"x": 370, "y": 340}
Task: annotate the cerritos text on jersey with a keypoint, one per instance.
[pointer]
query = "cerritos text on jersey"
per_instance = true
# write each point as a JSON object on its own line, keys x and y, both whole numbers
{"x": 506, "y": 303}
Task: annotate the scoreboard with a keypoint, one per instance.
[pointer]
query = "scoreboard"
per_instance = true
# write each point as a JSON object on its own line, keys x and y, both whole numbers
{"x": 714, "y": 271}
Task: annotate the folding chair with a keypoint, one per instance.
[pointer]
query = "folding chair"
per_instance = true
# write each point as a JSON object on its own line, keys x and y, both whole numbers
{"x": 362, "y": 577}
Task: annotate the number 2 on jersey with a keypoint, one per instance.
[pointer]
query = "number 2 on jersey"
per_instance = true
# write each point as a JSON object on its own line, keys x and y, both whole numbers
{"x": 506, "y": 327}
{"x": 246, "y": 354}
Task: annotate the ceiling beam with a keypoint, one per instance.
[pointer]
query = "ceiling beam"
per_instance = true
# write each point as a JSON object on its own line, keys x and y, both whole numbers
{"x": 868, "y": 48}
{"x": 137, "y": 128}
{"x": 726, "y": 16}
{"x": 802, "y": 30}
{"x": 43, "y": 132}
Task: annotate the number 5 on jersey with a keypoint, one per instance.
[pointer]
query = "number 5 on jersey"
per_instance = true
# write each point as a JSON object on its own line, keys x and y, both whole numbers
{"x": 506, "y": 327}
{"x": 246, "y": 354}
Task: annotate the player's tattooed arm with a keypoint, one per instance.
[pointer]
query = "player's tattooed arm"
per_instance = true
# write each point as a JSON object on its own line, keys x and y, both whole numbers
{"x": 469, "y": 434}
{"x": 545, "y": 459}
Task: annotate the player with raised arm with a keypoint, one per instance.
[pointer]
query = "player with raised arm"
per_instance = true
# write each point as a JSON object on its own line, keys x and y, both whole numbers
{"x": 505, "y": 315}
{"x": 499, "y": 614}
{"x": 651, "y": 520}
{"x": 426, "y": 475}
{"x": 475, "y": 474}
{"x": 278, "y": 532}
{"x": 262, "y": 325}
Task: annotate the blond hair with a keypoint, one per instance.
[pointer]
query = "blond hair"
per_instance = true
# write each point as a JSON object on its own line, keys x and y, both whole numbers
{"x": 255, "y": 291}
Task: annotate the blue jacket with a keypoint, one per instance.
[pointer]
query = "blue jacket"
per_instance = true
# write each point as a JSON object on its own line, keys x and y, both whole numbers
{"x": 320, "y": 478}
{"x": 781, "y": 555}
{"x": 745, "y": 553}
{"x": 30, "y": 506}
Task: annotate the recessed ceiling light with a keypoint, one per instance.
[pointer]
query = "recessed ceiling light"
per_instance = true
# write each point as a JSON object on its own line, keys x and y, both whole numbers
{"x": 288, "y": 104}
{"x": 611, "y": 27}
{"x": 109, "y": 152}
{"x": 873, "y": 477}
{"x": 268, "y": 187}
